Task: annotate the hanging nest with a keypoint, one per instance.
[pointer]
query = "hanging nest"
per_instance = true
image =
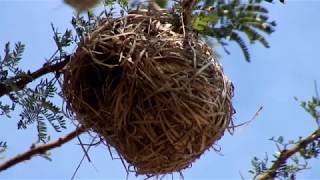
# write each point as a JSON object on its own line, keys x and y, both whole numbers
{"x": 160, "y": 100}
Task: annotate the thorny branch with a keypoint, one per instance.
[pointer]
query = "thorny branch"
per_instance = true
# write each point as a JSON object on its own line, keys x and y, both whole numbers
{"x": 41, "y": 149}
{"x": 285, "y": 154}
{"x": 23, "y": 80}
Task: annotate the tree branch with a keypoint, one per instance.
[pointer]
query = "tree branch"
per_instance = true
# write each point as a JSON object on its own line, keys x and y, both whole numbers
{"x": 6, "y": 88}
{"x": 286, "y": 154}
{"x": 41, "y": 149}
{"x": 188, "y": 6}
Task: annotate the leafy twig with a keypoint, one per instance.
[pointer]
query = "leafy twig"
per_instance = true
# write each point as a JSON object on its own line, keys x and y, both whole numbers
{"x": 23, "y": 80}
{"x": 41, "y": 149}
{"x": 285, "y": 154}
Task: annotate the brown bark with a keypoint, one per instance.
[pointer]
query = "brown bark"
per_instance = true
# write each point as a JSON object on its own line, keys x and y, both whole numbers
{"x": 271, "y": 173}
{"x": 187, "y": 6}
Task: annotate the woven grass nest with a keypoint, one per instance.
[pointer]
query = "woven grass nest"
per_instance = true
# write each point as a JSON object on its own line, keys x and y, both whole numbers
{"x": 159, "y": 101}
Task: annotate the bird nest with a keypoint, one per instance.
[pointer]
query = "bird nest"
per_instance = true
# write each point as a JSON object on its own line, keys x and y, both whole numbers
{"x": 158, "y": 98}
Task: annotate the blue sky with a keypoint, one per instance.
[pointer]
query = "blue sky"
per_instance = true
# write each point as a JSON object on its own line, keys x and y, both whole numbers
{"x": 273, "y": 78}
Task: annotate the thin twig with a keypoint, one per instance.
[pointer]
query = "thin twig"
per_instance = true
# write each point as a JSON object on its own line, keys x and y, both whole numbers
{"x": 84, "y": 150}
{"x": 41, "y": 149}
{"x": 285, "y": 154}
{"x": 83, "y": 157}
{"x": 256, "y": 114}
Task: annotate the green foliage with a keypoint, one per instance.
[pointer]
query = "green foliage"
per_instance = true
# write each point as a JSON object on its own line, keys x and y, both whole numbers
{"x": 312, "y": 107}
{"x": 83, "y": 25}
{"x": 259, "y": 166}
{"x": 3, "y": 148}
{"x": 37, "y": 108}
{"x": 5, "y": 109}
{"x": 223, "y": 20}
{"x": 8, "y": 69}
{"x": 311, "y": 151}
{"x": 298, "y": 161}
{"x": 289, "y": 169}
{"x": 201, "y": 22}
{"x": 9, "y": 63}
{"x": 124, "y": 4}
{"x": 270, "y": 1}
{"x": 12, "y": 58}
{"x": 162, "y": 3}
{"x": 35, "y": 102}
{"x": 62, "y": 41}
{"x": 233, "y": 21}
{"x": 47, "y": 155}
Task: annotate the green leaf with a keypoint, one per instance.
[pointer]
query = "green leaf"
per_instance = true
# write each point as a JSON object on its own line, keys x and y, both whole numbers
{"x": 17, "y": 53}
{"x": 280, "y": 139}
{"x": 235, "y": 37}
{"x": 271, "y": 1}
{"x": 37, "y": 108}
{"x": 202, "y": 22}
{"x": 47, "y": 155}
{"x": 7, "y": 53}
{"x": 233, "y": 19}
{"x": 162, "y": 3}
{"x": 123, "y": 3}
{"x": 254, "y": 8}
{"x": 254, "y": 36}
